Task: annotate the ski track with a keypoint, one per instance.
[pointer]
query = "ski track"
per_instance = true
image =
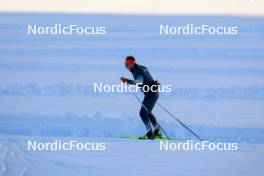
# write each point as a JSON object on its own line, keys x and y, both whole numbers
{"x": 34, "y": 164}
{"x": 45, "y": 162}
{"x": 3, "y": 158}
{"x": 15, "y": 152}
{"x": 55, "y": 163}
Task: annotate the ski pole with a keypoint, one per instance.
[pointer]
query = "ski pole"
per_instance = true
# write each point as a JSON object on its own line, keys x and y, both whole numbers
{"x": 138, "y": 99}
{"x": 185, "y": 126}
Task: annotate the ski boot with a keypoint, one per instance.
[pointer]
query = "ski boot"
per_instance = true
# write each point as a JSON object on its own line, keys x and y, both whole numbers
{"x": 157, "y": 133}
{"x": 148, "y": 135}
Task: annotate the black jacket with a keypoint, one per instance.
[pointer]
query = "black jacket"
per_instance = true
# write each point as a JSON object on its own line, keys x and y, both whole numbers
{"x": 141, "y": 75}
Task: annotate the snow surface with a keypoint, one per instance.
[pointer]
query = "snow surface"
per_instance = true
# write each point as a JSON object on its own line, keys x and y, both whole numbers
{"x": 126, "y": 157}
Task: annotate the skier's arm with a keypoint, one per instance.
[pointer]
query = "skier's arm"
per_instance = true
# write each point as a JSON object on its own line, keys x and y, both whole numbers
{"x": 138, "y": 80}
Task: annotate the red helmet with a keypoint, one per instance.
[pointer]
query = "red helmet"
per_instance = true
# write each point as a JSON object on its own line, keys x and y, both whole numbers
{"x": 130, "y": 60}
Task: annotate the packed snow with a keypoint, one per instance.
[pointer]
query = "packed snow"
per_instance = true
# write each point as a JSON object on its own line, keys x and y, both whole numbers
{"x": 126, "y": 157}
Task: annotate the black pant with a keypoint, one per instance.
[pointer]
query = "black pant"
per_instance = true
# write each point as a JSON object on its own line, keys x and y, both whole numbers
{"x": 148, "y": 104}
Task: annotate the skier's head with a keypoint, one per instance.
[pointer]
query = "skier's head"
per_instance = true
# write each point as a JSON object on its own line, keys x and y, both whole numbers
{"x": 130, "y": 62}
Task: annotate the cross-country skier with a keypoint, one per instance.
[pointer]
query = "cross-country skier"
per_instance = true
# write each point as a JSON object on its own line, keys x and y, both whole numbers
{"x": 141, "y": 75}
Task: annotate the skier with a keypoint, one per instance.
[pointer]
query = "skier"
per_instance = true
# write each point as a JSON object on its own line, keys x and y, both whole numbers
{"x": 142, "y": 77}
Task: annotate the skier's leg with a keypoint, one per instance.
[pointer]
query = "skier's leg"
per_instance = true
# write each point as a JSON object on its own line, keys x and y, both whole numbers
{"x": 144, "y": 116}
{"x": 153, "y": 121}
{"x": 145, "y": 119}
{"x": 149, "y": 102}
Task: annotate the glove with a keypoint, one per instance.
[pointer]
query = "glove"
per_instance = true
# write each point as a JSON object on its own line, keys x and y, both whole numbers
{"x": 123, "y": 79}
